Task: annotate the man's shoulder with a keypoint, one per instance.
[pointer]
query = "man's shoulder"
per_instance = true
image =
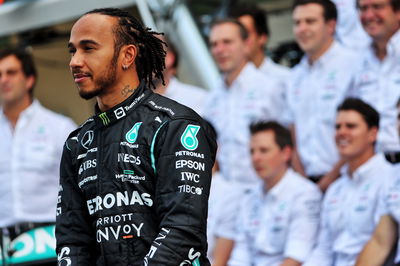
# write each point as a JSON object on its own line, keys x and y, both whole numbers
{"x": 253, "y": 79}
{"x": 345, "y": 58}
{"x": 302, "y": 185}
{"x": 269, "y": 67}
{"x": 170, "y": 108}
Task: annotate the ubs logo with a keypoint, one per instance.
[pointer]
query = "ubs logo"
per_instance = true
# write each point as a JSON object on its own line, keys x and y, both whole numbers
{"x": 87, "y": 139}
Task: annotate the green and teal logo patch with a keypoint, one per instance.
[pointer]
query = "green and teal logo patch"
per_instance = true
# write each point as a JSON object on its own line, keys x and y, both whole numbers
{"x": 188, "y": 138}
{"x": 132, "y": 134}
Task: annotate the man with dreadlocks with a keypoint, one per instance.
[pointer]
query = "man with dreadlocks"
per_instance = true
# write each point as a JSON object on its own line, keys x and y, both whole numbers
{"x": 135, "y": 177}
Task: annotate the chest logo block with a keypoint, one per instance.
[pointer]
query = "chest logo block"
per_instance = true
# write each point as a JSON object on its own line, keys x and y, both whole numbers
{"x": 188, "y": 138}
{"x": 132, "y": 134}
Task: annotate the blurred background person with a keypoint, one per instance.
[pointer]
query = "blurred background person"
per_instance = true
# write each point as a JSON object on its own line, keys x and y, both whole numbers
{"x": 244, "y": 96}
{"x": 378, "y": 81}
{"x": 381, "y": 248}
{"x": 255, "y": 20}
{"x": 318, "y": 84}
{"x": 31, "y": 144}
{"x": 349, "y": 31}
{"x": 186, "y": 94}
{"x": 349, "y": 211}
{"x": 278, "y": 220}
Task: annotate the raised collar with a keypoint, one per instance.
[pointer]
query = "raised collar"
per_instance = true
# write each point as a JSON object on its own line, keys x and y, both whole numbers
{"x": 107, "y": 118}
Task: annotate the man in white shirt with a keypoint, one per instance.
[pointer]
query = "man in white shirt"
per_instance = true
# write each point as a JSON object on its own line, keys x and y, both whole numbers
{"x": 31, "y": 144}
{"x": 255, "y": 21}
{"x": 278, "y": 220}
{"x": 349, "y": 211}
{"x": 378, "y": 81}
{"x": 317, "y": 85}
{"x": 189, "y": 95}
{"x": 378, "y": 248}
{"x": 386, "y": 232}
{"x": 245, "y": 95}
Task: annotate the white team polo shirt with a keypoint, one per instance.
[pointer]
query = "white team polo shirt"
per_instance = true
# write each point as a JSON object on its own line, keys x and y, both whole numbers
{"x": 186, "y": 94}
{"x": 251, "y": 97}
{"x": 29, "y": 164}
{"x": 350, "y": 214}
{"x": 313, "y": 94}
{"x": 277, "y": 224}
{"x": 378, "y": 83}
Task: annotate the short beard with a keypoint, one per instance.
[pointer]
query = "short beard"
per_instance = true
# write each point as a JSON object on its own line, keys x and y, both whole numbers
{"x": 105, "y": 81}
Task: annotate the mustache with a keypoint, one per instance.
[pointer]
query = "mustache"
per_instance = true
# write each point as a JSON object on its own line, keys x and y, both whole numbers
{"x": 78, "y": 71}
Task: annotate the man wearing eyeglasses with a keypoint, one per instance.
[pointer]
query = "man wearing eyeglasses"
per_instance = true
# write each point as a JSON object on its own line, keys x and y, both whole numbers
{"x": 378, "y": 82}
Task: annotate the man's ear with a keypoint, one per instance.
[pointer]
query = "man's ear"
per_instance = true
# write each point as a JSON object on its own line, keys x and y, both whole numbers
{"x": 30, "y": 81}
{"x": 128, "y": 55}
{"x": 262, "y": 40}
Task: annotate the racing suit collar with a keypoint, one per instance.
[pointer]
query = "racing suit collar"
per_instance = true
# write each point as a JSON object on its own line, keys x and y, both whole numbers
{"x": 107, "y": 118}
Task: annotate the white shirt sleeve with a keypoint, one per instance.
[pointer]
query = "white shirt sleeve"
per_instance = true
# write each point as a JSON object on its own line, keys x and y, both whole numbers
{"x": 303, "y": 228}
{"x": 241, "y": 253}
{"x": 322, "y": 254}
{"x": 228, "y": 212}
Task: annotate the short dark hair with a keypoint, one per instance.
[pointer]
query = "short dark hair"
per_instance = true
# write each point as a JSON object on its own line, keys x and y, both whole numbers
{"x": 242, "y": 30}
{"x": 258, "y": 15}
{"x": 370, "y": 115}
{"x": 150, "y": 59}
{"x": 394, "y": 3}
{"x": 330, "y": 11}
{"x": 26, "y": 60}
{"x": 282, "y": 135}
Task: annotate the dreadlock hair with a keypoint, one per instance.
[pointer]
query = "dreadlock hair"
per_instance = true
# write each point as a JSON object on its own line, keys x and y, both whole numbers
{"x": 150, "y": 60}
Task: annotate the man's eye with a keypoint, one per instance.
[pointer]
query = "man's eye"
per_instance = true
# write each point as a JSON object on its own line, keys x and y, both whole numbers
{"x": 71, "y": 51}
{"x": 88, "y": 48}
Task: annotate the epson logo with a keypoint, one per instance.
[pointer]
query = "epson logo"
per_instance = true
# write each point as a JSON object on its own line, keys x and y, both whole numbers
{"x": 190, "y": 177}
{"x": 119, "y": 199}
{"x": 190, "y": 164}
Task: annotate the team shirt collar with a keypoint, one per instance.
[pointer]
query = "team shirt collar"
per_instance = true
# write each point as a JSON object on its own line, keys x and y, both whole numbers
{"x": 362, "y": 172}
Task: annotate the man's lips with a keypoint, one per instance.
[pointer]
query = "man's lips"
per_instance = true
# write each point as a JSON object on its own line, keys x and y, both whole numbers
{"x": 80, "y": 77}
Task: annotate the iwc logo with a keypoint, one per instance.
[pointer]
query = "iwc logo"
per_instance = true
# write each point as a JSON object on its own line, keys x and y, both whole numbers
{"x": 188, "y": 138}
{"x": 132, "y": 134}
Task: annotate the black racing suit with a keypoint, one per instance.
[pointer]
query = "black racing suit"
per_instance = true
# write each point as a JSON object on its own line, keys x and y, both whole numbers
{"x": 134, "y": 186}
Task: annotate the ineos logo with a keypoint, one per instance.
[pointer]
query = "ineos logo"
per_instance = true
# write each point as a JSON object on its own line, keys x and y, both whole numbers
{"x": 87, "y": 139}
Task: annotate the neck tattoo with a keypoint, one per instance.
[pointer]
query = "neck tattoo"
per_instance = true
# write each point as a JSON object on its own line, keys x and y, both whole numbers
{"x": 126, "y": 91}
